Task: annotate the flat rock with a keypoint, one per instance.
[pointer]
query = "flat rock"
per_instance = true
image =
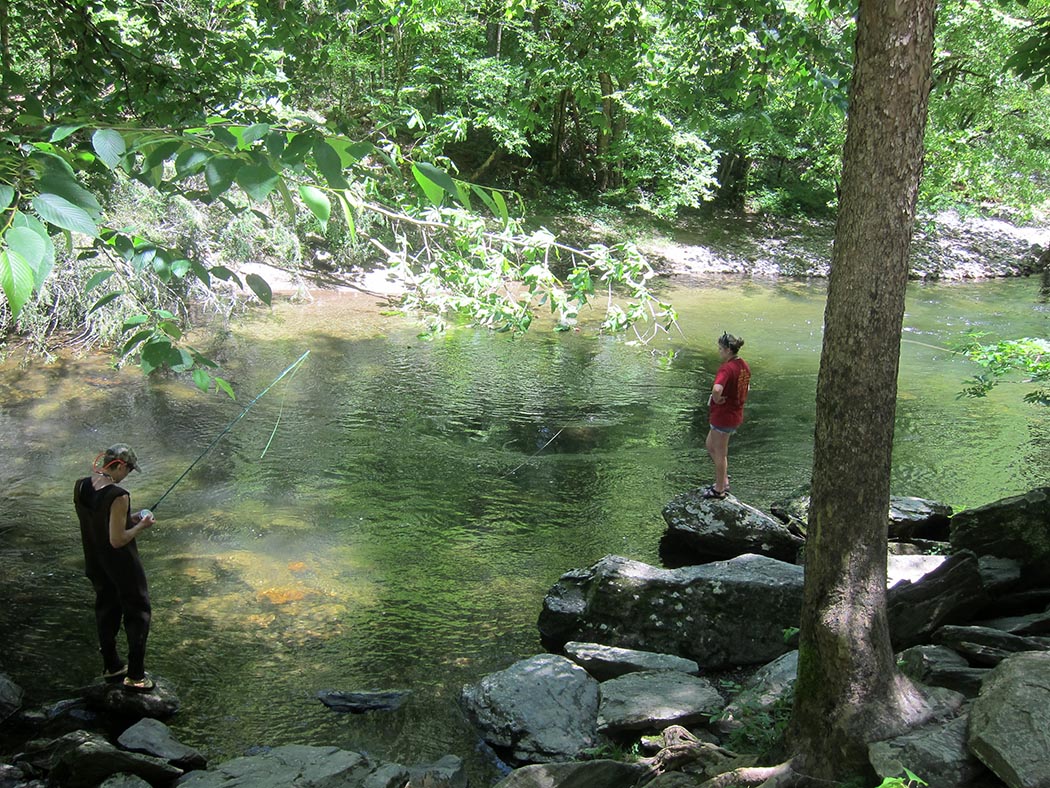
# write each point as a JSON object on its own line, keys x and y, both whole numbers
{"x": 652, "y": 700}
{"x": 301, "y": 766}
{"x": 153, "y": 737}
{"x": 609, "y": 662}
{"x": 983, "y": 646}
{"x": 82, "y": 760}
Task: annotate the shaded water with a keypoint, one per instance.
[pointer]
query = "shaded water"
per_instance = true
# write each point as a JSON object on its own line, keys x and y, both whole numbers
{"x": 401, "y": 530}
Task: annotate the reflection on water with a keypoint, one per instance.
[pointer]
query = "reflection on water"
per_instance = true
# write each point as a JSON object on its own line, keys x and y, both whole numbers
{"x": 412, "y": 510}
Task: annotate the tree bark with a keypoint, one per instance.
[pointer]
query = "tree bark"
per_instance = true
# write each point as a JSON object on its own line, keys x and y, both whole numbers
{"x": 849, "y": 692}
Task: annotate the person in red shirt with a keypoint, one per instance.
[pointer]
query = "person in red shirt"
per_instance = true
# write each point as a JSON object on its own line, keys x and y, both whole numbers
{"x": 726, "y": 402}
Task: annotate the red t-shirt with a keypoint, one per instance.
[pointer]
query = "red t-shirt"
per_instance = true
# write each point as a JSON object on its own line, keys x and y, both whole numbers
{"x": 735, "y": 378}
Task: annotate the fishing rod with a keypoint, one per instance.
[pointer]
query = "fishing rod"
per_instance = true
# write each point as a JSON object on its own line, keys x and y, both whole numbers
{"x": 229, "y": 427}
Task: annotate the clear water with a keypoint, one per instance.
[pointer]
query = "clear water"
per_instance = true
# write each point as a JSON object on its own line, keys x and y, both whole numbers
{"x": 404, "y": 524}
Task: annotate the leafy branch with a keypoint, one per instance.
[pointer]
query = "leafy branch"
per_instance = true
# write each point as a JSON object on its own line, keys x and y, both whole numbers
{"x": 1028, "y": 357}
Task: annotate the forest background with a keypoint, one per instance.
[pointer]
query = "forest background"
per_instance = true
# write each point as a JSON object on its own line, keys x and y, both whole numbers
{"x": 164, "y": 144}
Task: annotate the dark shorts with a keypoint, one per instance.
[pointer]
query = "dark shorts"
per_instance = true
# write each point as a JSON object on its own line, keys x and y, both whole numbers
{"x": 726, "y": 430}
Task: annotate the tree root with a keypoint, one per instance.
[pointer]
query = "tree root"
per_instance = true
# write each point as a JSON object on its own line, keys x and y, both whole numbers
{"x": 680, "y": 749}
{"x": 779, "y": 776}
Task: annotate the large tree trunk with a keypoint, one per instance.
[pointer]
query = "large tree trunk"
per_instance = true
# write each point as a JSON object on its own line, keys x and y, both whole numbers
{"x": 849, "y": 692}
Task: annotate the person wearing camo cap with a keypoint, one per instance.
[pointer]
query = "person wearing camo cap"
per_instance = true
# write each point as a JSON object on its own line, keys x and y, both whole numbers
{"x": 109, "y": 530}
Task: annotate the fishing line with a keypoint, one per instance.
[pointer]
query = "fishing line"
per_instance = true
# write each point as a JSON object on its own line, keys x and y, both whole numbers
{"x": 531, "y": 456}
{"x": 230, "y": 426}
{"x": 280, "y": 415}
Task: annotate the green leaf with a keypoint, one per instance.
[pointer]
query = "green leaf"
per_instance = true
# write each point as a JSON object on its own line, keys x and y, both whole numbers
{"x": 224, "y": 137}
{"x": 330, "y": 165}
{"x": 160, "y": 154}
{"x": 171, "y": 329}
{"x": 318, "y": 203}
{"x": 104, "y": 300}
{"x": 96, "y": 279}
{"x": 255, "y": 132}
{"x": 433, "y": 192}
{"x": 16, "y": 279}
{"x": 200, "y": 272}
{"x": 485, "y": 198}
{"x": 181, "y": 267}
{"x": 136, "y": 340}
{"x": 47, "y": 260}
{"x": 134, "y": 320}
{"x": 298, "y": 148}
{"x": 110, "y": 147}
{"x": 68, "y": 189}
{"x": 222, "y": 384}
{"x": 348, "y": 216}
{"x": 219, "y": 174}
{"x": 436, "y": 176}
{"x": 202, "y": 379}
{"x": 60, "y": 212}
{"x": 26, "y": 244}
{"x": 257, "y": 181}
{"x": 191, "y": 161}
{"x": 225, "y": 274}
{"x": 260, "y": 288}
{"x": 501, "y": 206}
{"x": 62, "y": 132}
{"x": 7, "y": 196}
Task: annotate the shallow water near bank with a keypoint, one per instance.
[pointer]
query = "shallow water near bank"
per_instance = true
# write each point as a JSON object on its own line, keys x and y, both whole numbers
{"x": 390, "y": 516}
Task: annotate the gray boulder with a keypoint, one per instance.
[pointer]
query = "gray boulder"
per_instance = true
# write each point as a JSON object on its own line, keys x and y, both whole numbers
{"x": 1010, "y": 721}
{"x": 770, "y": 686}
{"x": 1031, "y": 624}
{"x": 299, "y": 765}
{"x": 654, "y": 699}
{"x": 908, "y": 518}
{"x": 154, "y": 738}
{"x": 539, "y": 710}
{"x": 583, "y": 774}
{"x": 951, "y": 593}
{"x": 720, "y": 614}
{"x": 940, "y": 666}
{"x": 1017, "y": 528}
{"x": 983, "y": 646}
{"x": 701, "y": 530}
{"x": 999, "y": 574}
{"x": 608, "y": 662}
{"x": 937, "y": 753}
{"x": 10, "y": 697}
{"x": 82, "y": 760}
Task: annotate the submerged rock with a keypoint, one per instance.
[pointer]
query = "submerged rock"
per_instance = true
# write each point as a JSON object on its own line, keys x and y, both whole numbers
{"x": 10, "y": 697}
{"x": 361, "y": 702}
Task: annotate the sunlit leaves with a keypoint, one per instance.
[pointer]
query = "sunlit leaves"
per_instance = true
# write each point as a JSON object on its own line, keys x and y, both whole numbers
{"x": 318, "y": 203}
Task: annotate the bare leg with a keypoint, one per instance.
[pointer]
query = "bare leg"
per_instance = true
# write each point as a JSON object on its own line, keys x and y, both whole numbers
{"x": 718, "y": 448}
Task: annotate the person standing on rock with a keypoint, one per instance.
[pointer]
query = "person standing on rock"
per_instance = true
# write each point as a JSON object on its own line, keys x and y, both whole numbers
{"x": 108, "y": 531}
{"x": 726, "y": 403}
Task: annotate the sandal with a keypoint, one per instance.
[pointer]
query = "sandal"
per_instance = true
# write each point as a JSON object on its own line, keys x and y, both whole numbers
{"x": 710, "y": 492}
{"x": 113, "y": 676}
{"x": 145, "y": 684}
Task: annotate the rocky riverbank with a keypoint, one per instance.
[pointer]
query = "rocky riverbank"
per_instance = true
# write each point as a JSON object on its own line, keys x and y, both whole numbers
{"x": 690, "y": 667}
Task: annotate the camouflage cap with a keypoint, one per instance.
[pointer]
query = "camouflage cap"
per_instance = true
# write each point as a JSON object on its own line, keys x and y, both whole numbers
{"x": 120, "y": 452}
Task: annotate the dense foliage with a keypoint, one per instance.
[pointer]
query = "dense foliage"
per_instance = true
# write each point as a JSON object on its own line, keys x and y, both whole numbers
{"x": 406, "y": 129}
